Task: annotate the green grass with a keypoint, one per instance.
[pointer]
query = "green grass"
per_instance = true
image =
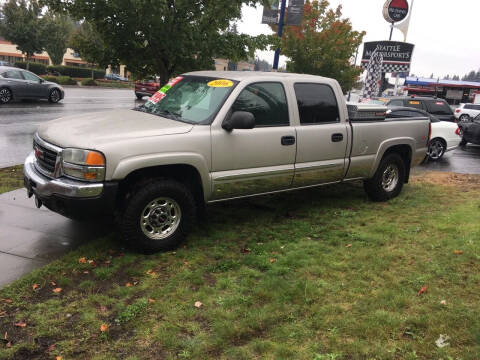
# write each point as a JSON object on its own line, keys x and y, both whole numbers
{"x": 11, "y": 178}
{"x": 321, "y": 274}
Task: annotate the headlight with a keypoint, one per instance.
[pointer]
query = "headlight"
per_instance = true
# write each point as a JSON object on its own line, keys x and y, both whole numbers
{"x": 83, "y": 164}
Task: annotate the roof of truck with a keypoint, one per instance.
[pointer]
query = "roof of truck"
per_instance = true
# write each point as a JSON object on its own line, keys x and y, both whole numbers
{"x": 260, "y": 75}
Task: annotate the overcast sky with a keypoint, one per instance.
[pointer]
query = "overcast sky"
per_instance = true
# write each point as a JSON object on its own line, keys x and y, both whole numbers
{"x": 446, "y": 33}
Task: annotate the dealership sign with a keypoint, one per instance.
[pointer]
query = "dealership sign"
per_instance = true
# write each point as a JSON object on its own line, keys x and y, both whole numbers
{"x": 395, "y": 10}
{"x": 396, "y": 55}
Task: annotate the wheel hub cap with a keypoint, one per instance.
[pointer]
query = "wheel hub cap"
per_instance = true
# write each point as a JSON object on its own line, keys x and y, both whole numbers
{"x": 435, "y": 150}
{"x": 5, "y": 95}
{"x": 160, "y": 218}
{"x": 390, "y": 177}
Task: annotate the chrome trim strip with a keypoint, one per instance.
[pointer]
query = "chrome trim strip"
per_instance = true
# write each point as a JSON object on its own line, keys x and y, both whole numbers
{"x": 57, "y": 172}
{"x": 45, "y": 187}
{"x": 46, "y": 145}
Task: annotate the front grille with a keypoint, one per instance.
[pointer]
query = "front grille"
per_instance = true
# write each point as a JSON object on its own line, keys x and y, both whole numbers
{"x": 46, "y": 158}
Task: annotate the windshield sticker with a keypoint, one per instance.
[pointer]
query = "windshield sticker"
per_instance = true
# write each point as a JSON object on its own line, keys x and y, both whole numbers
{"x": 221, "y": 83}
{"x": 160, "y": 94}
{"x": 414, "y": 102}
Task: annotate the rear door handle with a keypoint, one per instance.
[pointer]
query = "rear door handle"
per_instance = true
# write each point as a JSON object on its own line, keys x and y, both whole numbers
{"x": 337, "y": 137}
{"x": 288, "y": 140}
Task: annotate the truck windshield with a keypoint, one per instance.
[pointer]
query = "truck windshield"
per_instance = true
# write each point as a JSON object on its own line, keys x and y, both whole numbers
{"x": 192, "y": 99}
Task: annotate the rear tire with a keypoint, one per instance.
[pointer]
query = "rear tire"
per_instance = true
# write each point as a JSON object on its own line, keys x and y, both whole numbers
{"x": 5, "y": 95}
{"x": 464, "y": 118}
{"x": 436, "y": 149}
{"x": 158, "y": 216}
{"x": 388, "y": 180}
{"x": 54, "y": 96}
{"x": 139, "y": 97}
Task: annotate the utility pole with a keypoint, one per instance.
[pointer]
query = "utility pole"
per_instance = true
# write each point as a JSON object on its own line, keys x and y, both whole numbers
{"x": 279, "y": 33}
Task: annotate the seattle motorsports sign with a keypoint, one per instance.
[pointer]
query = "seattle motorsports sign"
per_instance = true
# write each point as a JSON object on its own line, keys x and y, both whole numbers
{"x": 395, "y": 10}
{"x": 396, "y": 55}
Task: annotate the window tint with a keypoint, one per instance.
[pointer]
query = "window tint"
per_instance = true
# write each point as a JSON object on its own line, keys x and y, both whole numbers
{"x": 317, "y": 104}
{"x": 468, "y": 107}
{"x": 266, "y": 101}
{"x": 404, "y": 113}
{"x": 472, "y": 107}
{"x": 12, "y": 74}
{"x": 395, "y": 103}
{"x": 438, "y": 108}
{"x": 414, "y": 104}
{"x": 30, "y": 76}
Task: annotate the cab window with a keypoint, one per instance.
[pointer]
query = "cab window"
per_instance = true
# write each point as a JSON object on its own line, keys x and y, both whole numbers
{"x": 317, "y": 104}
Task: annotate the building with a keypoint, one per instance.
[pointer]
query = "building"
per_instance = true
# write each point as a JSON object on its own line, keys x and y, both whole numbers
{"x": 225, "y": 64}
{"x": 454, "y": 92}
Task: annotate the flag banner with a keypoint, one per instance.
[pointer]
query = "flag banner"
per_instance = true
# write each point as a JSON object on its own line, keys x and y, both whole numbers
{"x": 371, "y": 85}
{"x": 270, "y": 13}
{"x": 295, "y": 12}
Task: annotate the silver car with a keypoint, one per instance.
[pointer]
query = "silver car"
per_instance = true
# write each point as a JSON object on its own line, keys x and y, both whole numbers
{"x": 17, "y": 83}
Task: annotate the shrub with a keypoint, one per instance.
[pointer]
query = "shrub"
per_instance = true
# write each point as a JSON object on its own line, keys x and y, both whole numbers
{"x": 79, "y": 72}
{"x": 61, "y": 80}
{"x": 36, "y": 68}
{"x": 49, "y": 78}
{"x": 89, "y": 82}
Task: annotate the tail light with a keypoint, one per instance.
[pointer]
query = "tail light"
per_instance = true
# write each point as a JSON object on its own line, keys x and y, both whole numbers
{"x": 457, "y": 131}
{"x": 457, "y": 111}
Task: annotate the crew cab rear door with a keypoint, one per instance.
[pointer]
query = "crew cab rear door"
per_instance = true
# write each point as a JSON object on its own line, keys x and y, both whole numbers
{"x": 322, "y": 135}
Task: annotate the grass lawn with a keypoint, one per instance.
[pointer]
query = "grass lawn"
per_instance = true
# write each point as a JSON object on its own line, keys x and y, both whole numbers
{"x": 321, "y": 274}
{"x": 11, "y": 178}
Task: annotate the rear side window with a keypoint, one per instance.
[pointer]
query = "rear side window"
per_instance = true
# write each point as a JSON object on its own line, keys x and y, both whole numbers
{"x": 317, "y": 104}
{"x": 12, "y": 74}
{"x": 472, "y": 107}
{"x": 404, "y": 113}
{"x": 266, "y": 101}
{"x": 438, "y": 108}
{"x": 417, "y": 104}
{"x": 395, "y": 103}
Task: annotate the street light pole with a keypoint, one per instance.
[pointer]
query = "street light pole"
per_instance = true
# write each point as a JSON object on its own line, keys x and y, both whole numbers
{"x": 279, "y": 33}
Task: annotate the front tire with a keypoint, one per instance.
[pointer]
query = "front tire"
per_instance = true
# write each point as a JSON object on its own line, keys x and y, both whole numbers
{"x": 388, "y": 180}
{"x": 5, "y": 95}
{"x": 464, "y": 118}
{"x": 436, "y": 149}
{"x": 54, "y": 96}
{"x": 158, "y": 216}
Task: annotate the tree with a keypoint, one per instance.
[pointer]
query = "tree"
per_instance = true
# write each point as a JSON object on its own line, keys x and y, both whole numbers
{"x": 323, "y": 45}
{"x": 23, "y": 26}
{"x": 56, "y": 33}
{"x": 165, "y": 37}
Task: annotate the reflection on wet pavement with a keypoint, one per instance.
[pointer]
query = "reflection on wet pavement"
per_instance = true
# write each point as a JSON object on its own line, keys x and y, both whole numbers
{"x": 464, "y": 161}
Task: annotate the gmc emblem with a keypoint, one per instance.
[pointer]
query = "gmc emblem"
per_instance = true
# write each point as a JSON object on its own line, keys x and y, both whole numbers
{"x": 38, "y": 153}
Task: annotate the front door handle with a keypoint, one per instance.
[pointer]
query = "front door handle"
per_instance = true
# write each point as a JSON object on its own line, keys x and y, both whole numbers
{"x": 288, "y": 140}
{"x": 337, "y": 137}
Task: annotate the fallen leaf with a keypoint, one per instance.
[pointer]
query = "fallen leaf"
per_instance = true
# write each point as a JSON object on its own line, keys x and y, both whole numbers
{"x": 151, "y": 301}
{"x": 107, "y": 262}
{"x": 57, "y": 290}
{"x": 128, "y": 284}
{"x": 457, "y": 252}
{"x": 103, "y": 327}
{"x": 275, "y": 253}
{"x": 51, "y": 347}
{"x": 272, "y": 261}
{"x": 185, "y": 263}
{"x": 442, "y": 341}
{"x": 348, "y": 245}
{"x": 92, "y": 262}
{"x": 58, "y": 358}
{"x": 53, "y": 283}
{"x": 198, "y": 304}
{"x": 5, "y": 336}
{"x": 443, "y": 302}
{"x": 103, "y": 309}
{"x": 35, "y": 286}
{"x": 245, "y": 251}
{"x": 9, "y": 345}
{"x": 8, "y": 301}
{"x": 21, "y": 324}
{"x": 423, "y": 290}
{"x": 135, "y": 283}
{"x": 86, "y": 272}
{"x": 3, "y": 314}
{"x": 82, "y": 260}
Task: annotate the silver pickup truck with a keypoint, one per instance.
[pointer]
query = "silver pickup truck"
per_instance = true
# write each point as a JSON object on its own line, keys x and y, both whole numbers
{"x": 214, "y": 136}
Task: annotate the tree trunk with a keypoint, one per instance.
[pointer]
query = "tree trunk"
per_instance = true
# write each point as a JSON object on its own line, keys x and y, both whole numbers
{"x": 28, "y": 63}
{"x": 163, "y": 73}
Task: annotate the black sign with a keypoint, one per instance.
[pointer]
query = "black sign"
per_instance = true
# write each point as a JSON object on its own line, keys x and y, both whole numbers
{"x": 270, "y": 13}
{"x": 392, "y": 51}
{"x": 295, "y": 12}
{"x": 395, "y": 10}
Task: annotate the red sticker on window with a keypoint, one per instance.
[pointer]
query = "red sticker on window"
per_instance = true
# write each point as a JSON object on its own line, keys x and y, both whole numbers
{"x": 156, "y": 97}
{"x": 439, "y": 103}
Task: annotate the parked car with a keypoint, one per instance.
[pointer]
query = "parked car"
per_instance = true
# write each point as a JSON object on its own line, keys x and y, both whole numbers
{"x": 146, "y": 87}
{"x": 217, "y": 136}
{"x": 467, "y": 112}
{"x": 5, "y": 63}
{"x": 445, "y": 136}
{"x": 434, "y": 106}
{"x": 470, "y": 131}
{"x": 115, "y": 77}
{"x": 17, "y": 83}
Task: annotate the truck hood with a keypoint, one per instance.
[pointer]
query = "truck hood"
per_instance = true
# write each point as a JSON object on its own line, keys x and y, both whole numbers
{"x": 94, "y": 129}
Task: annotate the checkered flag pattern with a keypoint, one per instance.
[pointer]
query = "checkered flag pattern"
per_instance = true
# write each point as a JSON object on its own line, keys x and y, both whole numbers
{"x": 374, "y": 74}
{"x": 391, "y": 67}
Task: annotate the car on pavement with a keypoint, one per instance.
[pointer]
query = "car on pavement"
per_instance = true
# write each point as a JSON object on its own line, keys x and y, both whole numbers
{"x": 17, "y": 83}
{"x": 211, "y": 136}
{"x": 467, "y": 112}
{"x": 115, "y": 77}
{"x": 5, "y": 63}
{"x": 146, "y": 87}
{"x": 434, "y": 106}
{"x": 445, "y": 136}
{"x": 470, "y": 131}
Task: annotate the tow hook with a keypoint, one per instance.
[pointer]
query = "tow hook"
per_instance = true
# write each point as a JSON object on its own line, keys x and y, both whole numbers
{"x": 38, "y": 202}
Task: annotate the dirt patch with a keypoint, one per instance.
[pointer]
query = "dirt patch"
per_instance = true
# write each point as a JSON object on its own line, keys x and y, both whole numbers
{"x": 448, "y": 179}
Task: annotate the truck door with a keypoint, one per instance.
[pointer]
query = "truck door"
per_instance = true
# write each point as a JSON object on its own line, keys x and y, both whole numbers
{"x": 321, "y": 136}
{"x": 258, "y": 160}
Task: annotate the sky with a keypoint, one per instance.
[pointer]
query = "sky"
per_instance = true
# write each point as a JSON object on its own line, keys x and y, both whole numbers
{"x": 445, "y": 33}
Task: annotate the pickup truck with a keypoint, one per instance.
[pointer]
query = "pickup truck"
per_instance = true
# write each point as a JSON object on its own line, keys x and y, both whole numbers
{"x": 213, "y": 136}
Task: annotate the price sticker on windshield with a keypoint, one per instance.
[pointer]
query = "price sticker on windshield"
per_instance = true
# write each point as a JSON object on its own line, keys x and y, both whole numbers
{"x": 160, "y": 94}
{"x": 220, "y": 83}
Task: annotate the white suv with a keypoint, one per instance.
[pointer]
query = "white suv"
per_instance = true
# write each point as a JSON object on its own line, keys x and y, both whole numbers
{"x": 467, "y": 112}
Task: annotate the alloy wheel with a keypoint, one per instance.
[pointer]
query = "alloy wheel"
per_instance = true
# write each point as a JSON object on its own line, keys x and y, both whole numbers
{"x": 5, "y": 95}
{"x": 436, "y": 150}
{"x": 390, "y": 177}
{"x": 160, "y": 218}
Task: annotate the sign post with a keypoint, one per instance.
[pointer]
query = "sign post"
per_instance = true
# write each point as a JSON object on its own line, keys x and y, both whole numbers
{"x": 279, "y": 33}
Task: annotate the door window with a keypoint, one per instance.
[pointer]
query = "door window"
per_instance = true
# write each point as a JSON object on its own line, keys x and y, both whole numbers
{"x": 266, "y": 101}
{"x": 12, "y": 74}
{"x": 30, "y": 76}
{"x": 317, "y": 104}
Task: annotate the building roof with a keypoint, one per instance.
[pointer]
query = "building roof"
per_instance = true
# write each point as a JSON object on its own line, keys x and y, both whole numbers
{"x": 447, "y": 83}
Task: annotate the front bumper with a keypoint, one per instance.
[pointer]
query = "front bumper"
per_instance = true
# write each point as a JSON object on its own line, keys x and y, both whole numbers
{"x": 71, "y": 198}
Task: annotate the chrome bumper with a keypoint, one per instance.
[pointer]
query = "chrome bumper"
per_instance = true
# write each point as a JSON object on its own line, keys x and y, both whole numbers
{"x": 43, "y": 186}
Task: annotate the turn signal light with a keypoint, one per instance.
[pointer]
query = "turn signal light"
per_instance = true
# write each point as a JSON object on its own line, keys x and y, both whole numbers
{"x": 95, "y": 159}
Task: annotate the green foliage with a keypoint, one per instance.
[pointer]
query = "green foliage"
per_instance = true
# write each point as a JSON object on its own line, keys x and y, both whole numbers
{"x": 89, "y": 82}
{"x": 65, "y": 80}
{"x": 37, "y": 68}
{"x": 23, "y": 26}
{"x": 133, "y": 310}
{"x": 56, "y": 32}
{"x": 323, "y": 45}
{"x": 163, "y": 37}
{"x": 76, "y": 71}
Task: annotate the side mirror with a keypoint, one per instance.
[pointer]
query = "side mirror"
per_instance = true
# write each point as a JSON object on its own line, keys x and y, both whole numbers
{"x": 42, "y": 81}
{"x": 239, "y": 120}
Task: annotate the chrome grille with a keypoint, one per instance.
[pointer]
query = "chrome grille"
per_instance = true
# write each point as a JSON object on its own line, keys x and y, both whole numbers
{"x": 46, "y": 158}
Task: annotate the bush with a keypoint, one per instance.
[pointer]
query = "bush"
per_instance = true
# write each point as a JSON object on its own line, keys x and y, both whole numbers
{"x": 36, "y": 68}
{"x": 49, "y": 78}
{"x": 79, "y": 72}
{"x": 61, "y": 80}
{"x": 89, "y": 82}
